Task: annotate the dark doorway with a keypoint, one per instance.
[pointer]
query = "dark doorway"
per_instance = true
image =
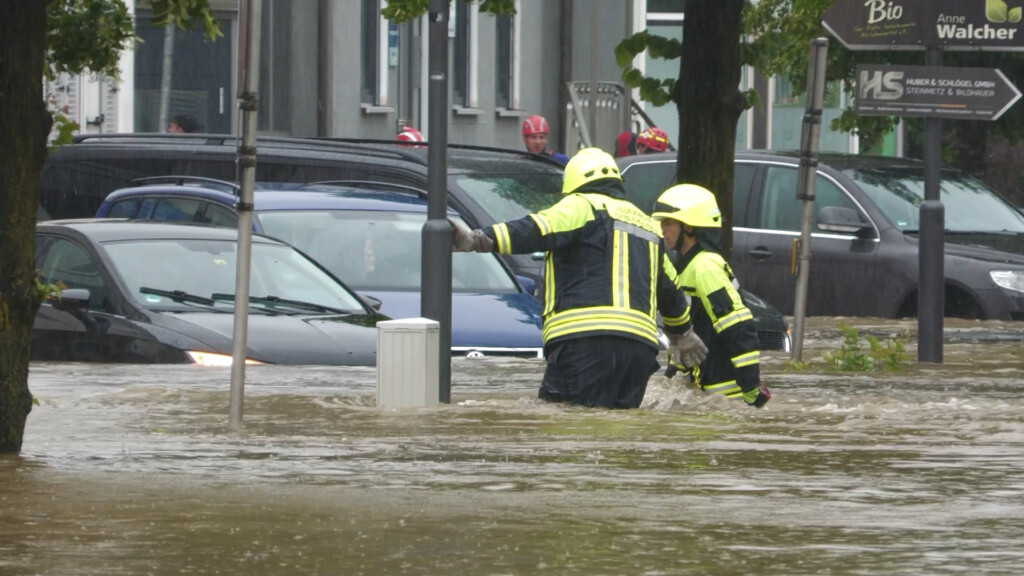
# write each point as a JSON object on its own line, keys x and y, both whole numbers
{"x": 200, "y": 79}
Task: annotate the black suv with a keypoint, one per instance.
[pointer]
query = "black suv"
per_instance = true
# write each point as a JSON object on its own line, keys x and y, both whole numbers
{"x": 485, "y": 185}
{"x": 865, "y": 234}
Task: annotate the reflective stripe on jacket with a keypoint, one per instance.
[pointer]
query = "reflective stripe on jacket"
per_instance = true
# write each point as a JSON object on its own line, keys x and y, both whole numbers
{"x": 722, "y": 321}
{"x": 605, "y": 268}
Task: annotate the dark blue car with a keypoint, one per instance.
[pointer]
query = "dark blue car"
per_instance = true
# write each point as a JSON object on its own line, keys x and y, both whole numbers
{"x": 369, "y": 236}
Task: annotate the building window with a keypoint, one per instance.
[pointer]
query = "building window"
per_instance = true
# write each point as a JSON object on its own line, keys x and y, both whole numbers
{"x": 275, "y": 69}
{"x": 370, "y": 44}
{"x": 666, "y": 6}
{"x": 464, "y": 57}
{"x": 507, "y": 64}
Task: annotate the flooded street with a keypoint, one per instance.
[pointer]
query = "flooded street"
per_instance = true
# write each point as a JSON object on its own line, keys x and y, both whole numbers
{"x": 133, "y": 470}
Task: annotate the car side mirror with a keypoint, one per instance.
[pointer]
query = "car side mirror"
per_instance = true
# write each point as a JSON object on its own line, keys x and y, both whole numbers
{"x": 843, "y": 220}
{"x": 71, "y": 299}
{"x": 372, "y": 302}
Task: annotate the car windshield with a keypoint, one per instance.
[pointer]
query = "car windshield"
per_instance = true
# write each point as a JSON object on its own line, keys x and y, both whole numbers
{"x": 969, "y": 205}
{"x": 202, "y": 268}
{"x": 507, "y": 197}
{"x": 378, "y": 250}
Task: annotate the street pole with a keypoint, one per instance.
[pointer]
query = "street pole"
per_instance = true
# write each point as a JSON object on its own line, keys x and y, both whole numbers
{"x": 809, "y": 144}
{"x": 249, "y": 103}
{"x": 931, "y": 240}
{"x": 436, "y": 294}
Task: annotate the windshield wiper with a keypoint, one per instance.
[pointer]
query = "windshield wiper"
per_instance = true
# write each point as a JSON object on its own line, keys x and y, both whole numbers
{"x": 178, "y": 296}
{"x": 277, "y": 302}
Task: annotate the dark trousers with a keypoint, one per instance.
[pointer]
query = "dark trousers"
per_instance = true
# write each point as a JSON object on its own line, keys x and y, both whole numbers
{"x": 605, "y": 371}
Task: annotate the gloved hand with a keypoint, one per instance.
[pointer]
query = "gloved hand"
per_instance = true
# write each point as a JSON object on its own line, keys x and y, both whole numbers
{"x": 688, "y": 347}
{"x": 757, "y": 397}
{"x": 466, "y": 240}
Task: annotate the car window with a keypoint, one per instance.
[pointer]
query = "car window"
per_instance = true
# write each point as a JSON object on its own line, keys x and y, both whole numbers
{"x": 780, "y": 208}
{"x": 509, "y": 197}
{"x": 206, "y": 267}
{"x": 645, "y": 181}
{"x": 176, "y": 210}
{"x": 124, "y": 208}
{"x": 742, "y": 182}
{"x": 218, "y": 215}
{"x": 70, "y": 265}
{"x": 969, "y": 205}
{"x": 378, "y": 250}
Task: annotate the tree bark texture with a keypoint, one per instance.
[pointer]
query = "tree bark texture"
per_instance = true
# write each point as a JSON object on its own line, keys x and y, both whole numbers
{"x": 24, "y": 125}
{"x": 710, "y": 101}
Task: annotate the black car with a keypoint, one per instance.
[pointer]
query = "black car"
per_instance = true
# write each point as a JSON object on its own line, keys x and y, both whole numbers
{"x": 485, "y": 185}
{"x": 149, "y": 292}
{"x": 865, "y": 234}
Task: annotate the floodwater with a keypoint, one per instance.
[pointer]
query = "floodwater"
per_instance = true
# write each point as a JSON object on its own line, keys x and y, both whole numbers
{"x": 133, "y": 470}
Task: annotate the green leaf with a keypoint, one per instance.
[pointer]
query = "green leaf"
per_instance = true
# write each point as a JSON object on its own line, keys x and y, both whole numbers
{"x": 1014, "y": 15}
{"x": 995, "y": 11}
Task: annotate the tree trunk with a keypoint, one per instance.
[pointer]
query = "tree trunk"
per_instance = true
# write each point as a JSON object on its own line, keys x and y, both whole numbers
{"x": 24, "y": 125}
{"x": 710, "y": 101}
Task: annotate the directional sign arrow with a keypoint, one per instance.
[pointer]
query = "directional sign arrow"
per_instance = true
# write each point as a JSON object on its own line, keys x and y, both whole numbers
{"x": 933, "y": 91}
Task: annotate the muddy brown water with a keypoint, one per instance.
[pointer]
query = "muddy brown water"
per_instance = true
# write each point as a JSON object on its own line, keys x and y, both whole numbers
{"x": 134, "y": 470}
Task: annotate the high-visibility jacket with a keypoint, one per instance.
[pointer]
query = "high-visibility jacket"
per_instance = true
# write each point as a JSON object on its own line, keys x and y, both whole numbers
{"x": 722, "y": 321}
{"x": 606, "y": 269}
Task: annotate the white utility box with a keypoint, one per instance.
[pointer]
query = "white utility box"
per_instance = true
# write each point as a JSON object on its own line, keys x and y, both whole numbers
{"x": 407, "y": 357}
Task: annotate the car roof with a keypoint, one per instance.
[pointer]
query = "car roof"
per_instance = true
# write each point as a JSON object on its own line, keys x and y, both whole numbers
{"x": 834, "y": 160}
{"x": 461, "y": 157}
{"x": 113, "y": 229}
{"x": 347, "y": 195}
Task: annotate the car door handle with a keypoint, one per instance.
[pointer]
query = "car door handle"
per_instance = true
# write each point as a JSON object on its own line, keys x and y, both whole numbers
{"x": 760, "y": 253}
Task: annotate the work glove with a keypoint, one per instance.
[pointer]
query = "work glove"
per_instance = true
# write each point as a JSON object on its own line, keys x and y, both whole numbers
{"x": 688, "y": 348}
{"x": 757, "y": 397}
{"x": 466, "y": 240}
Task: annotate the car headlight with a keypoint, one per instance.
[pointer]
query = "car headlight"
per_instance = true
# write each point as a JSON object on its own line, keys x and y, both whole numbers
{"x": 1009, "y": 279}
{"x": 211, "y": 359}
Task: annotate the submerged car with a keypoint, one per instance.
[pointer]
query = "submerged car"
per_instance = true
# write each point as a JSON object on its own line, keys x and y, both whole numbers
{"x": 369, "y": 235}
{"x": 865, "y": 234}
{"x": 485, "y": 185}
{"x": 150, "y": 292}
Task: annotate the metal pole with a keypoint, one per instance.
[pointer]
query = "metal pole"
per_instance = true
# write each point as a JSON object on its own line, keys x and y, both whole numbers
{"x": 436, "y": 295}
{"x": 592, "y": 105}
{"x": 931, "y": 246}
{"x": 165, "y": 78}
{"x": 809, "y": 143}
{"x": 249, "y": 103}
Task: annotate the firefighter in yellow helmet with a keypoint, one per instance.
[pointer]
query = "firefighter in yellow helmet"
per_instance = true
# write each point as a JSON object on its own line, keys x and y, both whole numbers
{"x": 732, "y": 366}
{"x": 605, "y": 281}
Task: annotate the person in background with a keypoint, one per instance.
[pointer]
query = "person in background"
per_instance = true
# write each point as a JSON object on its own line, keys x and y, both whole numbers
{"x": 732, "y": 367}
{"x": 652, "y": 139}
{"x": 409, "y": 134}
{"x": 183, "y": 124}
{"x": 606, "y": 280}
{"x": 535, "y": 137}
{"x": 625, "y": 144}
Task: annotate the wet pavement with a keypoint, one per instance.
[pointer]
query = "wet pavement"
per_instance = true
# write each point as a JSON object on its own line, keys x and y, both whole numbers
{"x": 134, "y": 470}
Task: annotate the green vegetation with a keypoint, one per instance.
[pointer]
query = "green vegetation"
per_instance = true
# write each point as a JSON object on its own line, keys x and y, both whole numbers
{"x": 851, "y": 356}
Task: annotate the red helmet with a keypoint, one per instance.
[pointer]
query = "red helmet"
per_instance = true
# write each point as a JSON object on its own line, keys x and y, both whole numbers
{"x": 654, "y": 139}
{"x": 410, "y": 134}
{"x": 535, "y": 125}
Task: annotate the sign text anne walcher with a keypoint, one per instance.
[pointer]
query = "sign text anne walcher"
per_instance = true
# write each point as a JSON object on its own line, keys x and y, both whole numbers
{"x": 919, "y": 24}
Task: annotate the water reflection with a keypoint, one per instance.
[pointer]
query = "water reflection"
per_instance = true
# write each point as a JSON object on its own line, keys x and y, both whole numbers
{"x": 133, "y": 470}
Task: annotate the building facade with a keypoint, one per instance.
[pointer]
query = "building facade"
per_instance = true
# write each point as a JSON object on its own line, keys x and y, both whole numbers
{"x": 337, "y": 68}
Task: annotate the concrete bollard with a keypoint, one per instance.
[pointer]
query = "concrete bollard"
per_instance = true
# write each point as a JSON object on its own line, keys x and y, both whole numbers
{"x": 407, "y": 356}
